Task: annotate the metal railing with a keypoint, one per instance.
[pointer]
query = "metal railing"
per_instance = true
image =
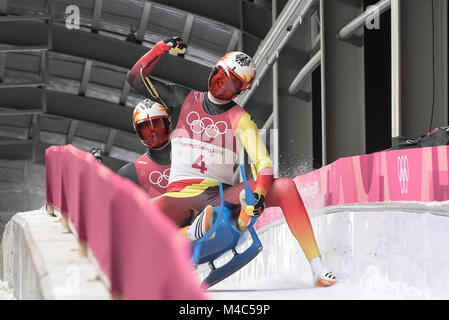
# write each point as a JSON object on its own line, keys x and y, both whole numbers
{"x": 304, "y": 74}
{"x": 360, "y": 21}
{"x": 269, "y": 50}
{"x": 268, "y": 53}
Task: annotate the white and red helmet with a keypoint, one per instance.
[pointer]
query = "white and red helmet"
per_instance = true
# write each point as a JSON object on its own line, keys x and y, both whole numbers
{"x": 152, "y": 124}
{"x": 231, "y": 76}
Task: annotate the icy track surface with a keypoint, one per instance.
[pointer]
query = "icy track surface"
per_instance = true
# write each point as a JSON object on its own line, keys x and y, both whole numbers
{"x": 385, "y": 252}
{"x": 345, "y": 290}
{"x": 5, "y": 292}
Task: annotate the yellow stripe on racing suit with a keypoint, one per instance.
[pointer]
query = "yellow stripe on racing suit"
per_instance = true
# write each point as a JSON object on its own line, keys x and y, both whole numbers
{"x": 249, "y": 136}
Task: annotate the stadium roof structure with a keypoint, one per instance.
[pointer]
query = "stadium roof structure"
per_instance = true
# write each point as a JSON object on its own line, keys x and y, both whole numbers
{"x": 63, "y": 85}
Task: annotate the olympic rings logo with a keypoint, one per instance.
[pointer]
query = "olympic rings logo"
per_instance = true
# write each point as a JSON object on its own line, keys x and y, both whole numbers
{"x": 160, "y": 179}
{"x": 403, "y": 174}
{"x": 206, "y": 125}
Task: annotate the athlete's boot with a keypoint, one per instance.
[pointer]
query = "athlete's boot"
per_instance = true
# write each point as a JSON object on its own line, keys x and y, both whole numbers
{"x": 201, "y": 224}
{"x": 322, "y": 277}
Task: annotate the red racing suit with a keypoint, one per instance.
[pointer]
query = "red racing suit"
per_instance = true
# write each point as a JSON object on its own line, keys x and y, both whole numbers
{"x": 205, "y": 146}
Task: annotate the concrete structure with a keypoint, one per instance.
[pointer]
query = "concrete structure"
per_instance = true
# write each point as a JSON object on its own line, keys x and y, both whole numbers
{"x": 40, "y": 260}
{"x": 22, "y": 188}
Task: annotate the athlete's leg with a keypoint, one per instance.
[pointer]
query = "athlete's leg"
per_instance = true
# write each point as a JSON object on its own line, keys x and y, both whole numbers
{"x": 181, "y": 209}
{"x": 284, "y": 194}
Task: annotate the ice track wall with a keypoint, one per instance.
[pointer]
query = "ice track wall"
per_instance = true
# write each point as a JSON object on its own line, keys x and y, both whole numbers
{"x": 397, "y": 248}
{"x": 396, "y": 251}
{"x": 40, "y": 260}
{"x": 381, "y": 220}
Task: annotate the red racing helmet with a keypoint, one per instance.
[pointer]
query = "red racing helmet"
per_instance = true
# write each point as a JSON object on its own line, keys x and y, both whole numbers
{"x": 231, "y": 76}
{"x": 152, "y": 124}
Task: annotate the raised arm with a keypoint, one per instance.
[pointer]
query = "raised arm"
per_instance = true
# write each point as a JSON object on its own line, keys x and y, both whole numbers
{"x": 139, "y": 75}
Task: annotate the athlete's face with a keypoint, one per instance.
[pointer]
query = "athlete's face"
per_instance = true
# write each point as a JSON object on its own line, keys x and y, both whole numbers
{"x": 154, "y": 133}
{"x": 224, "y": 85}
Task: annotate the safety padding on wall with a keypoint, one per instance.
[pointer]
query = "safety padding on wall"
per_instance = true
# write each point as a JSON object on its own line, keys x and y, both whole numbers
{"x": 138, "y": 250}
{"x": 412, "y": 175}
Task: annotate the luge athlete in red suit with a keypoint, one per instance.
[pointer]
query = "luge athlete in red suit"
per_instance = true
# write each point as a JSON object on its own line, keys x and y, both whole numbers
{"x": 208, "y": 129}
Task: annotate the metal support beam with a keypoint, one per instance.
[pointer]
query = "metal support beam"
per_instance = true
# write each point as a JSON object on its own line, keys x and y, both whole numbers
{"x": 172, "y": 4}
{"x": 34, "y": 133}
{"x": 45, "y": 61}
{"x": 7, "y": 49}
{"x": 24, "y": 18}
{"x": 284, "y": 25}
{"x": 125, "y": 93}
{"x": 34, "y": 130}
{"x": 96, "y": 17}
{"x": 269, "y": 122}
{"x": 360, "y": 21}
{"x": 188, "y": 27}
{"x": 18, "y": 112}
{"x": 323, "y": 91}
{"x": 275, "y": 137}
{"x": 110, "y": 141}
{"x": 2, "y": 66}
{"x": 120, "y": 53}
{"x": 72, "y": 130}
{"x": 241, "y": 28}
{"x": 396, "y": 67}
{"x": 140, "y": 34}
{"x": 304, "y": 74}
{"x": 22, "y": 85}
{"x": 50, "y": 11}
{"x": 282, "y": 30}
{"x": 236, "y": 35}
{"x": 44, "y": 76}
{"x": 86, "y": 77}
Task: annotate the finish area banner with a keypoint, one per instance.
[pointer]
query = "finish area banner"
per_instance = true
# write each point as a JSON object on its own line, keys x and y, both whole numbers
{"x": 417, "y": 175}
{"x": 412, "y": 175}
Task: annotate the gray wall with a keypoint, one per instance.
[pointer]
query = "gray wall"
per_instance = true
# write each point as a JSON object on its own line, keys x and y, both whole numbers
{"x": 343, "y": 81}
{"x": 22, "y": 188}
{"x": 424, "y": 76}
{"x": 421, "y": 88}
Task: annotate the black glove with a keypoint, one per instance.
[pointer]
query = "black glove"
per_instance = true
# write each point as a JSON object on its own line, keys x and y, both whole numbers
{"x": 259, "y": 207}
{"x": 256, "y": 209}
{"x": 96, "y": 153}
{"x": 177, "y": 45}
